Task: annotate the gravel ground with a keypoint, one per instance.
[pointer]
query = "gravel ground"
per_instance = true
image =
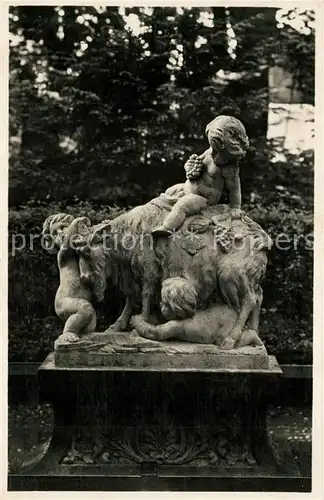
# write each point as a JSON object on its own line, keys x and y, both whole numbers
{"x": 28, "y": 427}
{"x": 31, "y": 426}
{"x": 294, "y": 425}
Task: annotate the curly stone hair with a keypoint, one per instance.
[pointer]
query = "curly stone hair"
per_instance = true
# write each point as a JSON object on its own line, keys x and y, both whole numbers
{"x": 231, "y": 133}
{"x": 54, "y": 219}
{"x": 180, "y": 295}
{"x": 47, "y": 235}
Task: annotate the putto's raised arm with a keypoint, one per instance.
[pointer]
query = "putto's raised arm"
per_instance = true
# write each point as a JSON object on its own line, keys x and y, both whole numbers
{"x": 233, "y": 184}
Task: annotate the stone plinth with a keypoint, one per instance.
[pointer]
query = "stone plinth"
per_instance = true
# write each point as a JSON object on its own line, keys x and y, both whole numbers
{"x": 129, "y": 350}
{"x": 159, "y": 426}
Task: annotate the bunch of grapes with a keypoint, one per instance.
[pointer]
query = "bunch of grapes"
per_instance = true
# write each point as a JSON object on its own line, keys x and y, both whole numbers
{"x": 193, "y": 167}
{"x": 224, "y": 237}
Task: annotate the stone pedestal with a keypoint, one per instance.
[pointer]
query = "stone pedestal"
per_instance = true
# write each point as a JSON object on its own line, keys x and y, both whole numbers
{"x": 157, "y": 423}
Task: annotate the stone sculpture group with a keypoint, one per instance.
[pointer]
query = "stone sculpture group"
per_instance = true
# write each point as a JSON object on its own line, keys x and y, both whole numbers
{"x": 187, "y": 267}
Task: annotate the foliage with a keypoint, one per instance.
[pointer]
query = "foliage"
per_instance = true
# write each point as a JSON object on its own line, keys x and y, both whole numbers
{"x": 103, "y": 107}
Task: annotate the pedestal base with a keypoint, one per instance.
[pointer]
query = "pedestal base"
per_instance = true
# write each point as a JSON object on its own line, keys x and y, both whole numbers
{"x": 130, "y": 350}
{"x": 160, "y": 429}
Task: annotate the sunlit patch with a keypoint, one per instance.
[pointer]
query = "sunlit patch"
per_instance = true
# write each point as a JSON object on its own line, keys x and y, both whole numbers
{"x": 291, "y": 126}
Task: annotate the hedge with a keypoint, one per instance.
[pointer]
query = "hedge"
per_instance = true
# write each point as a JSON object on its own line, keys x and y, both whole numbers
{"x": 286, "y": 316}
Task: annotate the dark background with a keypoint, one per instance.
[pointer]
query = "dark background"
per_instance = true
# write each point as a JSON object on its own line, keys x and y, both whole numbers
{"x": 96, "y": 131}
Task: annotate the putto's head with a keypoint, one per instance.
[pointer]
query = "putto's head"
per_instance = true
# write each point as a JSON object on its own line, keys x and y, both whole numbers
{"x": 53, "y": 230}
{"x": 178, "y": 298}
{"x": 227, "y": 138}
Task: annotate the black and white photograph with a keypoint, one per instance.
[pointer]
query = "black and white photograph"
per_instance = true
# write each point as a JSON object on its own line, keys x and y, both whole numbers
{"x": 161, "y": 248}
